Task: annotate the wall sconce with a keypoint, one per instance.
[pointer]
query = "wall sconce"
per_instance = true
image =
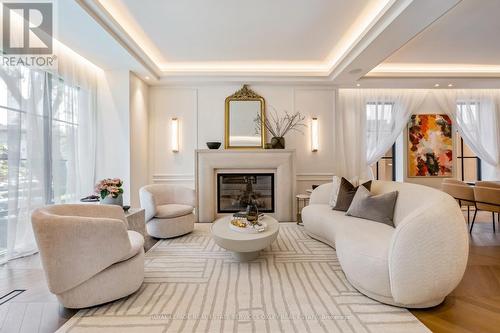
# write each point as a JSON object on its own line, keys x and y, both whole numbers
{"x": 314, "y": 134}
{"x": 174, "y": 127}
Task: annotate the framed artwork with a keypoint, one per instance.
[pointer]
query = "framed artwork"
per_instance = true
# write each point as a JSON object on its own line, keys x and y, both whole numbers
{"x": 430, "y": 146}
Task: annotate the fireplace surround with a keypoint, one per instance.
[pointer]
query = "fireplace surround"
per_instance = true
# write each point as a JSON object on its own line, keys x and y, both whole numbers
{"x": 209, "y": 163}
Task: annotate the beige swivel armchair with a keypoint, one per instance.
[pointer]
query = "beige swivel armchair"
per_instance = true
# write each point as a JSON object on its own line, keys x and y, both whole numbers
{"x": 487, "y": 195}
{"x": 88, "y": 256}
{"x": 169, "y": 209}
{"x": 461, "y": 191}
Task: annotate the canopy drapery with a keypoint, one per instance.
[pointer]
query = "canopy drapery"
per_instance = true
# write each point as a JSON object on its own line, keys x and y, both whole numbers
{"x": 367, "y": 122}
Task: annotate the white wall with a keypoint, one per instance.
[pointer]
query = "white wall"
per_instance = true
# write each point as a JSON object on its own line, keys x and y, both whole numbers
{"x": 200, "y": 110}
{"x": 123, "y": 124}
{"x": 113, "y": 132}
{"x": 139, "y": 134}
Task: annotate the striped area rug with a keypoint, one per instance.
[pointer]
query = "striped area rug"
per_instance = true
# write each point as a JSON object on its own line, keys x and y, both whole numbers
{"x": 192, "y": 285}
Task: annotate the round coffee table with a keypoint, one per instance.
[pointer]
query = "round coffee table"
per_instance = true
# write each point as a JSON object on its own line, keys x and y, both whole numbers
{"x": 244, "y": 246}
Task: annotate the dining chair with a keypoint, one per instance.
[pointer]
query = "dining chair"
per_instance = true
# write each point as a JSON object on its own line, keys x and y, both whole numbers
{"x": 487, "y": 197}
{"x": 461, "y": 191}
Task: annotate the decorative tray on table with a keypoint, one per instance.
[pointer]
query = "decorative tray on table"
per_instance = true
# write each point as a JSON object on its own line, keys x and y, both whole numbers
{"x": 241, "y": 224}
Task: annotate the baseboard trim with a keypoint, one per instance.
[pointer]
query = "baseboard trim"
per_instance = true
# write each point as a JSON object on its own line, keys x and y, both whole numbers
{"x": 173, "y": 179}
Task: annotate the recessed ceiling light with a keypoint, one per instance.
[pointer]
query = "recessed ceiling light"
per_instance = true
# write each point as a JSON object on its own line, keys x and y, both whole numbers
{"x": 450, "y": 85}
{"x": 358, "y": 84}
{"x": 436, "y": 85}
{"x": 146, "y": 77}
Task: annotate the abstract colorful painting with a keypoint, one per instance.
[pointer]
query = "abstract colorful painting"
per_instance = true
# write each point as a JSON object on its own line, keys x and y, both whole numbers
{"x": 430, "y": 146}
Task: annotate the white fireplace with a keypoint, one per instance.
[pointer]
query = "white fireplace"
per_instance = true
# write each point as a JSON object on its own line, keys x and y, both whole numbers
{"x": 211, "y": 163}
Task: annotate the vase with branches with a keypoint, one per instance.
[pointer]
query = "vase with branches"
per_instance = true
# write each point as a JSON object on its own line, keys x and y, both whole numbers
{"x": 278, "y": 125}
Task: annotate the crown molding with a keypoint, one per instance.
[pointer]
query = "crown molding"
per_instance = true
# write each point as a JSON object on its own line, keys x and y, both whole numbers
{"x": 435, "y": 70}
{"x": 399, "y": 25}
{"x": 105, "y": 19}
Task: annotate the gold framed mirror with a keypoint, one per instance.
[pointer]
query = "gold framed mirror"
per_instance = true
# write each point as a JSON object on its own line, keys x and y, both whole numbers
{"x": 242, "y": 131}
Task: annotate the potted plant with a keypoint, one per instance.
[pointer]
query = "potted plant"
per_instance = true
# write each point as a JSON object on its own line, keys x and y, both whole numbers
{"x": 279, "y": 125}
{"x": 110, "y": 191}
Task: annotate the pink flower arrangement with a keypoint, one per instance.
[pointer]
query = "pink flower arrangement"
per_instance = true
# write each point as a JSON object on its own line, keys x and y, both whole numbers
{"x": 109, "y": 186}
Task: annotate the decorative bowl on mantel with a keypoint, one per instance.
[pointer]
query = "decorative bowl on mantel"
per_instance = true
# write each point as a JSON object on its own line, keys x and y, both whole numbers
{"x": 213, "y": 144}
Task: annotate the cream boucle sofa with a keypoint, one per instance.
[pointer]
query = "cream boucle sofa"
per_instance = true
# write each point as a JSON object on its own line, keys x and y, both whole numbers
{"x": 414, "y": 265}
{"x": 88, "y": 256}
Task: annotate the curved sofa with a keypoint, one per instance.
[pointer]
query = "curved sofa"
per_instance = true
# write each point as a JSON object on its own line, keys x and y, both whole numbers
{"x": 414, "y": 265}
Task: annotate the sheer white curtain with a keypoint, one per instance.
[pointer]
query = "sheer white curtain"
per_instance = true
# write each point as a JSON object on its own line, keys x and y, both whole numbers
{"x": 76, "y": 101}
{"x": 476, "y": 115}
{"x": 367, "y": 123}
{"x": 47, "y": 145}
{"x": 22, "y": 180}
{"x": 349, "y": 136}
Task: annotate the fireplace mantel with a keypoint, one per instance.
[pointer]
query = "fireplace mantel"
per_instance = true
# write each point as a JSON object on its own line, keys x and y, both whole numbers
{"x": 210, "y": 162}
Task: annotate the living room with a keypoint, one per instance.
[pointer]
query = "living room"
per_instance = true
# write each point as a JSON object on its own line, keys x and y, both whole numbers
{"x": 235, "y": 166}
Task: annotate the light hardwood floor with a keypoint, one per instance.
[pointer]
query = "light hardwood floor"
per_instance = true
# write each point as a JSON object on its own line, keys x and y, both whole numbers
{"x": 474, "y": 306}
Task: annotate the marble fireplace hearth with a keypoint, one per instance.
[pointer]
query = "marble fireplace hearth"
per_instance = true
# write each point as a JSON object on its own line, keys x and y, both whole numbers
{"x": 280, "y": 162}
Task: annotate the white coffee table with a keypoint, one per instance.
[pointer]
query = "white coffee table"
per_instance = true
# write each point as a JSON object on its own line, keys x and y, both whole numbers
{"x": 244, "y": 246}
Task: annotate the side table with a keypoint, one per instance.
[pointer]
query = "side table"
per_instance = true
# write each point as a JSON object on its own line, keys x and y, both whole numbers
{"x": 137, "y": 222}
{"x": 302, "y": 201}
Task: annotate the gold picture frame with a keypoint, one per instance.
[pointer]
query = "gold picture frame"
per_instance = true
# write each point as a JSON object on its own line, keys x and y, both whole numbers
{"x": 245, "y": 94}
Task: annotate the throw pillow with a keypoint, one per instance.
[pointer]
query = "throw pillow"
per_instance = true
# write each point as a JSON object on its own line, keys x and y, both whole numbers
{"x": 346, "y": 194}
{"x": 379, "y": 208}
{"x": 336, "y": 186}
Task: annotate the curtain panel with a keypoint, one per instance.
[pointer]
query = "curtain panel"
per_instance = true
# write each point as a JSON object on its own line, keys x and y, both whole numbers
{"x": 476, "y": 115}
{"x": 47, "y": 144}
{"x": 367, "y": 123}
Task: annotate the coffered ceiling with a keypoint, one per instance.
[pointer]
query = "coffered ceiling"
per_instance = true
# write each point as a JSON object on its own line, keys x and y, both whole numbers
{"x": 245, "y": 32}
{"x": 330, "y": 41}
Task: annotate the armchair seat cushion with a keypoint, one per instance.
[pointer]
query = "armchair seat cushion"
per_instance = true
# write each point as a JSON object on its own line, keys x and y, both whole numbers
{"x": 136, "y": 242}
{"x": 171, "y": 211}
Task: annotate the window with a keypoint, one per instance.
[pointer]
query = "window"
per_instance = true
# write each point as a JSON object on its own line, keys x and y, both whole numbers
{"x": 468, "y": 164}
{"x": 385, "y": 168}
{"x": 378, "y": 119}
{"x": 38, "y": 136}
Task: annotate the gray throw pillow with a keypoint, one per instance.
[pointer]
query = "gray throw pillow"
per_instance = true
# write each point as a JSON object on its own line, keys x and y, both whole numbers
{"x": 379, "y": 208}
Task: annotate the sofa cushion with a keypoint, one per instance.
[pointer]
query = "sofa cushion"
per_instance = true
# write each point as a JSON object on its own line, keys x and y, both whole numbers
{"x": 171, "y": 211}
{"x": 346, "y": 194}
{"x": 336, "y": 186}
{"x": 363, "y": 250}
{"x": 321, "y": 222}
{"x": 136, "y": 244}
{"x": 378, "y": 208}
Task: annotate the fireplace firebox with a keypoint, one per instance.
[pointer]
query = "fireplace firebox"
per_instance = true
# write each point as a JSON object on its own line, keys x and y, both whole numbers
{"x": 236, "y": 190}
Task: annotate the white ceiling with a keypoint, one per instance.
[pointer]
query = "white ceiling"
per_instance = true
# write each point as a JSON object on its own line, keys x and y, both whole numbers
{"x": 467, "y": 36}
{"x": 322, "y": 41}
{"x": 245, "y": 31}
